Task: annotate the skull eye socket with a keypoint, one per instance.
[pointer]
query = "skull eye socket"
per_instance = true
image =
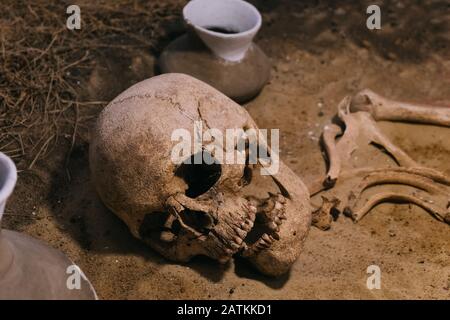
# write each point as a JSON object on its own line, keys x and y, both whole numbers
{"x": 199, "y": 177}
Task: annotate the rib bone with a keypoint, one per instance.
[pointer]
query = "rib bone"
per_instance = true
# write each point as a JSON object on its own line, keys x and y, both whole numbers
{"x": 434, "y": 210}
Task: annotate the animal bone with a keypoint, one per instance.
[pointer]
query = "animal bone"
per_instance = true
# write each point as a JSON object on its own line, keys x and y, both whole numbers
{"x": 360, "y": 130}
{"x": 355, "y": 188}
{"x": 384, "y": 109}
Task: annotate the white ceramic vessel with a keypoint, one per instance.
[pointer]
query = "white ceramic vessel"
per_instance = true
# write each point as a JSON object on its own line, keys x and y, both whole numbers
{"x": 8, "y": 177}
{"x": 227, "y": 27}
{"x": 29, "y": 269}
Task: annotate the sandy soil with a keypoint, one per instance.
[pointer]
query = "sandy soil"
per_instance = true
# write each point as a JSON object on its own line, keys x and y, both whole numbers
{"x": 320, "y": 53}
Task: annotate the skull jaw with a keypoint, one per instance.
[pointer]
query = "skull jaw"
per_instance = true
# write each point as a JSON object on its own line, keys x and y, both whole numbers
{"x": 278, "y": 259}
{"x": 281, "y": 255}
{"x": 274, "y": 261}
{"x": 185, "y": 249}
{"x": 234, "y": 219}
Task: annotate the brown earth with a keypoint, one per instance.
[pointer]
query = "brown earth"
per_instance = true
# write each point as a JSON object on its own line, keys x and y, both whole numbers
{"x": 320, "y": 52}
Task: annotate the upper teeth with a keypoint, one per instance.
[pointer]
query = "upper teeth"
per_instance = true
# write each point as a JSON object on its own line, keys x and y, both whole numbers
{"x": 273, "y": 224}
{"x": 241, "y": 233}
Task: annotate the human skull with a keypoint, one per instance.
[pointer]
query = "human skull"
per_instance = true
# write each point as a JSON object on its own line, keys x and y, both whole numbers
{"x": 184, "y": 210}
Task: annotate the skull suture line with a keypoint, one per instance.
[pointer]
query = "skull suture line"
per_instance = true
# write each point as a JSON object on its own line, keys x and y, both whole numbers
{"x": 183, "y": 211}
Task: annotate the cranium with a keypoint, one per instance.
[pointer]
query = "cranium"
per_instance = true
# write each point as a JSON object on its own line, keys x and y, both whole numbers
{"x": 185, "y": 210}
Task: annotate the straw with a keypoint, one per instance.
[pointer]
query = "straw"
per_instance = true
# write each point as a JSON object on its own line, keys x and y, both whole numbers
{"x": 43, "y": 65}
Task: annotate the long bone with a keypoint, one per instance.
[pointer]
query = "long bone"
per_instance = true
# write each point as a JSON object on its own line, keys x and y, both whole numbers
{"x": 382, "y": 108}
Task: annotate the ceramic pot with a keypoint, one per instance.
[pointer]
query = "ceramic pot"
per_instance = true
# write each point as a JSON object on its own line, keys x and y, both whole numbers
{"x": 29, "y": 269}
{"x": 219, "y": 49}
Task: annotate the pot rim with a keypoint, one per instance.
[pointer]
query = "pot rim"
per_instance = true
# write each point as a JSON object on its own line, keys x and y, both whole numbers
{"x": 245, "y": 33}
